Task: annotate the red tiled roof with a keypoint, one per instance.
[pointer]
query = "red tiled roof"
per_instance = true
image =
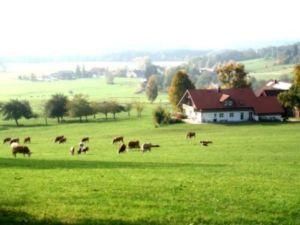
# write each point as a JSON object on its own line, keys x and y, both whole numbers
{"x": 243, "y": 98}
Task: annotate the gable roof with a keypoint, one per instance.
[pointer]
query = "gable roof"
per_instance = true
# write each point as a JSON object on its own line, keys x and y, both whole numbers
{"x": 244, "y": 98}
{"x": 273, "y": 88}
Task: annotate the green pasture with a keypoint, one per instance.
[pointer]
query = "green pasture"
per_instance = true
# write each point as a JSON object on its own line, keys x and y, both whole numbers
{"x": 249, "y": 175}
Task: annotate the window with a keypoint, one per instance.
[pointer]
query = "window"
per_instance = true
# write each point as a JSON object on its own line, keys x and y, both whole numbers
{"x": 228, "y": 103}
{"x": 221, "y": 115}
{"x": 231, "y": 114}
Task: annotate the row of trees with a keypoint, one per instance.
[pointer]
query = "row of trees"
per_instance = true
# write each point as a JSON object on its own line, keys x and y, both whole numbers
{"x": 59, "y": 106}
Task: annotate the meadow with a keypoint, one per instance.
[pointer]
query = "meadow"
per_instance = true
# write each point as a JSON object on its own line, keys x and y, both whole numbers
{"x": 267, "y": 69}
{"x": 249, "y": 175}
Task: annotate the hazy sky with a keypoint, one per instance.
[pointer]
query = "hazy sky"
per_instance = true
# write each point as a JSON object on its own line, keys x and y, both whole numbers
{"x": 43, "y": 27}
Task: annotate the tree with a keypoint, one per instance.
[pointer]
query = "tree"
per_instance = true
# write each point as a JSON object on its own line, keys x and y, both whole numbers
{"x": 56, "y": 107}
{"x": 233, "y": 75}
{"x": 79, "y": 107}
{"x": 291, "y": 98}
{"x": 78, "y": 72}
{"x": 128, "y": 108}
{"x": 180, "y": 83}
{"x": 152, "y": 89}
{"x": 139, "y": 106}
{"x": 15, "y": 109}
{"x": 104, "y": 107}
{"x": 297, "y": 75}
{"x": 114, "y": 108}
{"x": 109, "y": 78}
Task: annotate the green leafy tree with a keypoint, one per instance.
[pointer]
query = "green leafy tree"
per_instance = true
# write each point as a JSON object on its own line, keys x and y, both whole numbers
{"x": 233, "y": 75}
{"x": 15, "y": 109}
{"x": 104, "y": 107}
{"x": 56, "y": 107}
{"x": 115, "y": 108}
{"x": 297, "y": 75}
{"x": 152, "y": 89}
{"x": 128, "y": 108}
{"x": 80, "y": 107}
{"x": 180, "y": 83}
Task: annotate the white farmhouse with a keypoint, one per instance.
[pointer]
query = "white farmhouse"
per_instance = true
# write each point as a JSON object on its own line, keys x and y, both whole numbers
{"x": 229, "y": 105}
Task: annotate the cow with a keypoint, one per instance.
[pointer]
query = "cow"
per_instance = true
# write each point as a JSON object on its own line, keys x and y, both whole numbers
{"x": 82, "y": 149}
{"x": 62, "y": 140}
{"x": 6, "y": 140}
{"x": 57, "y": 139}
{"x": 16, "y": 140}
{"x": 118, "y": 139}
{"x": 190, "y": 135}
{"x": 72, "y": 150}
{"x": 134, "y": 144}
{"x": 122, "y": 148}
{"x": 21, "y": 149}
{"x": 27, "y": 140}
{"x": 205, "y": 143}
{"x": 85, "y": 139}
{"x": 147, "y": 147}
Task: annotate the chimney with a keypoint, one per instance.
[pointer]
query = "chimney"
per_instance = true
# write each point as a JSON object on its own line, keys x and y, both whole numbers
{"x": 219, "y": 89}
{"x": 275, "y": 81}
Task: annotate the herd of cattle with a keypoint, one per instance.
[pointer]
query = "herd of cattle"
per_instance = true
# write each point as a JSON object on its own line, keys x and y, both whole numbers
{"x": 16, "y": 147}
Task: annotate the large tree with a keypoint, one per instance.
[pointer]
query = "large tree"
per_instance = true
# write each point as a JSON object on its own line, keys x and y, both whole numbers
{"x": 152, "y": 88}
{"x": 291, "y": 98}
{"x": 56, "y": 107}
{"x": 180, "y": 83}
{"x": 233, "y": 75}
{"x": 79, "y": 106}
{"x": 15, "y": 109}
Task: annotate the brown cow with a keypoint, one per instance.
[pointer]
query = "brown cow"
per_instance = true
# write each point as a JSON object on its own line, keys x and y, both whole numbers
{"x": 118, "y": 139}
{"x": 122, "y": 148}
{"x": 134, "y": 144}
{"x": 62, "y": 140}
{"x": 6, "y": 140}
{"x": 205, "y": 143}
{"x": 85, "y": 139}
{"x": 190, "y": 135}
{"x": 57, "y": 139}
{"x": 27, "y": 140}
{"x": 14, "y": 140}
{"x": 21, "y": 149}
{"x": 147, "y": 147}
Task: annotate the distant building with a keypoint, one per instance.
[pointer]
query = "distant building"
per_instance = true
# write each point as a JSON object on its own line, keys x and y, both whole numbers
{"x": 135, "y": 74}
{"x": 273, "y": 88}
{"x": 229, "y": 105}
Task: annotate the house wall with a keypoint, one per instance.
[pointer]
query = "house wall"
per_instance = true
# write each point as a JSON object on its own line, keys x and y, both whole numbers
{"x": 227, "y": 117}
{"x": 271, "y": 117}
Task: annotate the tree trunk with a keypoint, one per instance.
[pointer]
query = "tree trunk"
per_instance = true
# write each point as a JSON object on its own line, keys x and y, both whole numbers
{"x": 86, "y": 119}
{"x": 114, "y": 115}
{"x": 16, "y": 120}
{"x": 46, "y": 121}
{"x": 80, "y": 119}
{"x": 58, "y": 119}
{"x": 106, "y": 116}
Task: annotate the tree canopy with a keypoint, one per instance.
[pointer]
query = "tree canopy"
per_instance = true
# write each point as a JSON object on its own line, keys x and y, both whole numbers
{"x": 56, "y": 106}
{"x": 152, "y": 88}
{"x": 15, "y": 109}
{"x": 233, "y": 75}
{"x": 180, "y": 83}
{"x": 79, "y": 106}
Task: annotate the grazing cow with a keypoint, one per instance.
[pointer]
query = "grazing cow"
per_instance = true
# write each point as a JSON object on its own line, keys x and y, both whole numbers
{"x": 190, "y": 135}
{"x": 72, "y": 150}
{"x": 27, "y": 140}
{"x": 16, "y": 140}
{"x": 134, "y": 144}
{"x": 147, "y": 147}
{"x": 6, "y": 140}
{"x": 57, "y": 139}
{"x": 118, "y": 139}
{"x": 85, "y": 139}
{"x": 205, "y": 143}
{"x": 62, "y": 140}
{"x": 85, "y": 149}
{"x": 122, "y": 148}
{"x": 21, "y": 149}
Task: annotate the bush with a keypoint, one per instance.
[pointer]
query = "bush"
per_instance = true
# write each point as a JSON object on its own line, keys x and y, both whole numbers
{"x": 161, "y": 116}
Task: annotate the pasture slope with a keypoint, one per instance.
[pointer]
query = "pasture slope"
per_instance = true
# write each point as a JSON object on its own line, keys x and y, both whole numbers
{"x": 249, "y": 175}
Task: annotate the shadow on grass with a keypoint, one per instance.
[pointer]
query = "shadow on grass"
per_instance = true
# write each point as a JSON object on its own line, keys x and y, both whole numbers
{"x": 11, "y": 217}
{"x": 30, "y": 163}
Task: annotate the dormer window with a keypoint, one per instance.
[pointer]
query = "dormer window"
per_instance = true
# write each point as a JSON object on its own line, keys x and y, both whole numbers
{"x": 228, "y": 103}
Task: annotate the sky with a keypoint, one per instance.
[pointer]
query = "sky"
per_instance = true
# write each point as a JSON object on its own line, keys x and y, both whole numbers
{"x": 65, "y": 27}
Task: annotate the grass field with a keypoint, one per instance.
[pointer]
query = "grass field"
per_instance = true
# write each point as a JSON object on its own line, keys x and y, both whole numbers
{"x": 265, "y": 69}
{"x": 249, "y": 175}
